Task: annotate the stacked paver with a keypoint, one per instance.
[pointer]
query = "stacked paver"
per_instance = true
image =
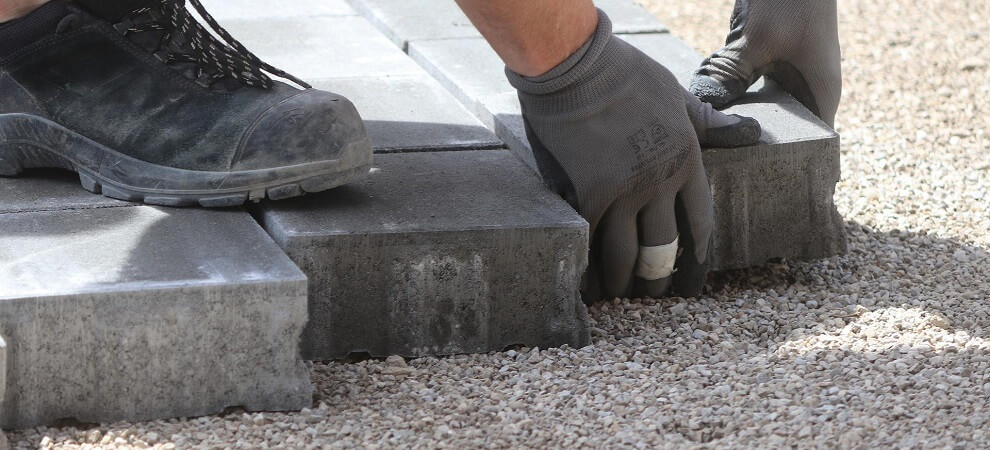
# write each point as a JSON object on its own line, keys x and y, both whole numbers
{"x": 437, "y": 254}
{"x": 114, "y": 311}
{"x": 452, "y": 245}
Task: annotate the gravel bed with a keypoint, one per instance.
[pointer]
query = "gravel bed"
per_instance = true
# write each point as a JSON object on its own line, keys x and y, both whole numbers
{"x": 887, "y": 346}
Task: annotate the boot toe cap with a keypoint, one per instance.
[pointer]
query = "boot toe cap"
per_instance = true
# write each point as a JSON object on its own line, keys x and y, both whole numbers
{"x": 312, "y": 126}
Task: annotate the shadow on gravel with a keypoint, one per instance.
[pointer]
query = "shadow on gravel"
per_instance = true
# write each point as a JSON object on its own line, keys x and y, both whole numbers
{"x": 882, "y": 269}
{"x": 903, "y": 273}
{"x": 895, "y": 334}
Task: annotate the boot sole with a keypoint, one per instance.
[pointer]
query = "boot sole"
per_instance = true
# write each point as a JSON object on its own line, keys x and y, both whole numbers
{"x": 28, "y": 142}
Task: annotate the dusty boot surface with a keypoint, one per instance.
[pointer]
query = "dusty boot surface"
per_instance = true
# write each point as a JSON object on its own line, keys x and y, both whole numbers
{"x": 147, "y": 106}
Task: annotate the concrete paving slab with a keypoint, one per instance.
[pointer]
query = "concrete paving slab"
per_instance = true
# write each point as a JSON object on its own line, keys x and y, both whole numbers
{"x": 49, "y": 190}
{"x": 224, "y": 10}
{"x": 502, "y": 113}
{"x": 412, "y": 113}
{"x": 317, "y": 48}
{"x": 468, "y": 68}
{"x": 139, "y": 313}
{"x": 4, "y": 445}
{"x": 404, "y": 21}
{"x": 774, "y": 199}
{"x": 436, "y": 254}
{"x": 3, "y": 370}
{"x": 670, "y": 51}
{"x": 628, "y": 17}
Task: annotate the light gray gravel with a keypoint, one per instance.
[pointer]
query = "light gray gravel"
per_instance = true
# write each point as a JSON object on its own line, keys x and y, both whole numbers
{"x": 888, "y": 346}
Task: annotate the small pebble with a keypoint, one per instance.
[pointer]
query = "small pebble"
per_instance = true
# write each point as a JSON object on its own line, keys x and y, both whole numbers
{"x": 970, "y": 64}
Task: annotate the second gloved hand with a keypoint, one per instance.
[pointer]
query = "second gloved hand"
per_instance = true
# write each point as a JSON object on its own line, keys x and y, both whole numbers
{"x": 616, "y": 135}
{"x": 794, "y": 42}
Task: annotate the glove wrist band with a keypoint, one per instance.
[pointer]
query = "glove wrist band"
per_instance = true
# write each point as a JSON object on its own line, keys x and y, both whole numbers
{"x": 572, "y": 69}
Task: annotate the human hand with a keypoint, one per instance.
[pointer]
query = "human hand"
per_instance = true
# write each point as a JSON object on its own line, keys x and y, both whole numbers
{"x": 793, "y": 42}
{"x": 616, "y": 136}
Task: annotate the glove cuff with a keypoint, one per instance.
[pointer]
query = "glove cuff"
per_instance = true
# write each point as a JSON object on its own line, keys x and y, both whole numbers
{"x": 572, "y": 69}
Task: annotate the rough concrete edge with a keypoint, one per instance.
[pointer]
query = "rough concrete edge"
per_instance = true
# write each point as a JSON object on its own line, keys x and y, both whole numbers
{"x": 295, "y": 245}
{"x": 101, "y": 203}
{"x": 291, "y": 396}
{"x": 299, "y": 276}
{"x": 830, "y": 221}
{"x": 301, "y": 247}
{"x": 3, "y": 388}
{"x": 132, "y": 287}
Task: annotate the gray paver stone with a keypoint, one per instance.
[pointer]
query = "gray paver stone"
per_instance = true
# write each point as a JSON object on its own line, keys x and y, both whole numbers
{"x": 437, "y": 254}
{"x": 468, "y": 68}
{"x": 224, "y": 10}
{"x": 412, "y": 113}
{"x": 137, "y": 313}
{"x": 316, "y": 48}
{"x": 3, "y": 386}
{"x": 502, "y": 113}
{"x": 773, "y": 199}
{"x": 3, "y": 369}
{"x": 628, "y": 17}
{"x": 405, "y": 21}
{"x": 49, "y": 190}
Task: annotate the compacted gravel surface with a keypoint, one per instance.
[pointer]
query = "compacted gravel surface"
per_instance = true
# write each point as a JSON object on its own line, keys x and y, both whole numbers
{"x": 887, "y": 346}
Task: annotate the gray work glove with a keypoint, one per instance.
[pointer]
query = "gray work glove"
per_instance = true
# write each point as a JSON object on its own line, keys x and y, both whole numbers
{"x": 616, "y": 136}
{"x": 793, "y": 42}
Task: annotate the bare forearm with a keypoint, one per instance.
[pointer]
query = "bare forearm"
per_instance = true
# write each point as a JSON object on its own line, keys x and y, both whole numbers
{"x": 533, "y": 36}
{"x": 12, "y": 9}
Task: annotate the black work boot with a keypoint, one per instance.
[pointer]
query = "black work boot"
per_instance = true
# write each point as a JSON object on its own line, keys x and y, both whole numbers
{"x": 147, "y": 106}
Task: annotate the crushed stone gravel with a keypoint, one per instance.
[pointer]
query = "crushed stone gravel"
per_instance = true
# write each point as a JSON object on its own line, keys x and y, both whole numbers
{"x": 887, "y": 346}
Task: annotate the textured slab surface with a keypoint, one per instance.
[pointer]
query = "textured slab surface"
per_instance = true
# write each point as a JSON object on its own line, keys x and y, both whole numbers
{"x": 437, "y": 253}
{"x": 3, "y": 385}
{"x": 223, "y": 10}
{"x": 315, "y": 48}
{"x": 3, "y": 372}
{"x": 138, "y": 313}
{"x": 773, "y": 199}
{"x": 48, "y": 190}
{"x": 468, "y": 68}
{"x": 406, "y": 21}
{"x": 412, "y": 113}
{"x": 403, "y": 106}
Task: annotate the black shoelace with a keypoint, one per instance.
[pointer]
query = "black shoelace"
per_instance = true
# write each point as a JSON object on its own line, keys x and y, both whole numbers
{"x": 185, "y": 40}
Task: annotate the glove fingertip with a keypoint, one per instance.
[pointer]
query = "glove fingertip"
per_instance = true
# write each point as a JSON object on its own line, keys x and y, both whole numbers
{"x": 689, "y": 278}
{"x": 653, "y": 288}
{"x": 714, "y": 92}
{"x": 747, "y": 131}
